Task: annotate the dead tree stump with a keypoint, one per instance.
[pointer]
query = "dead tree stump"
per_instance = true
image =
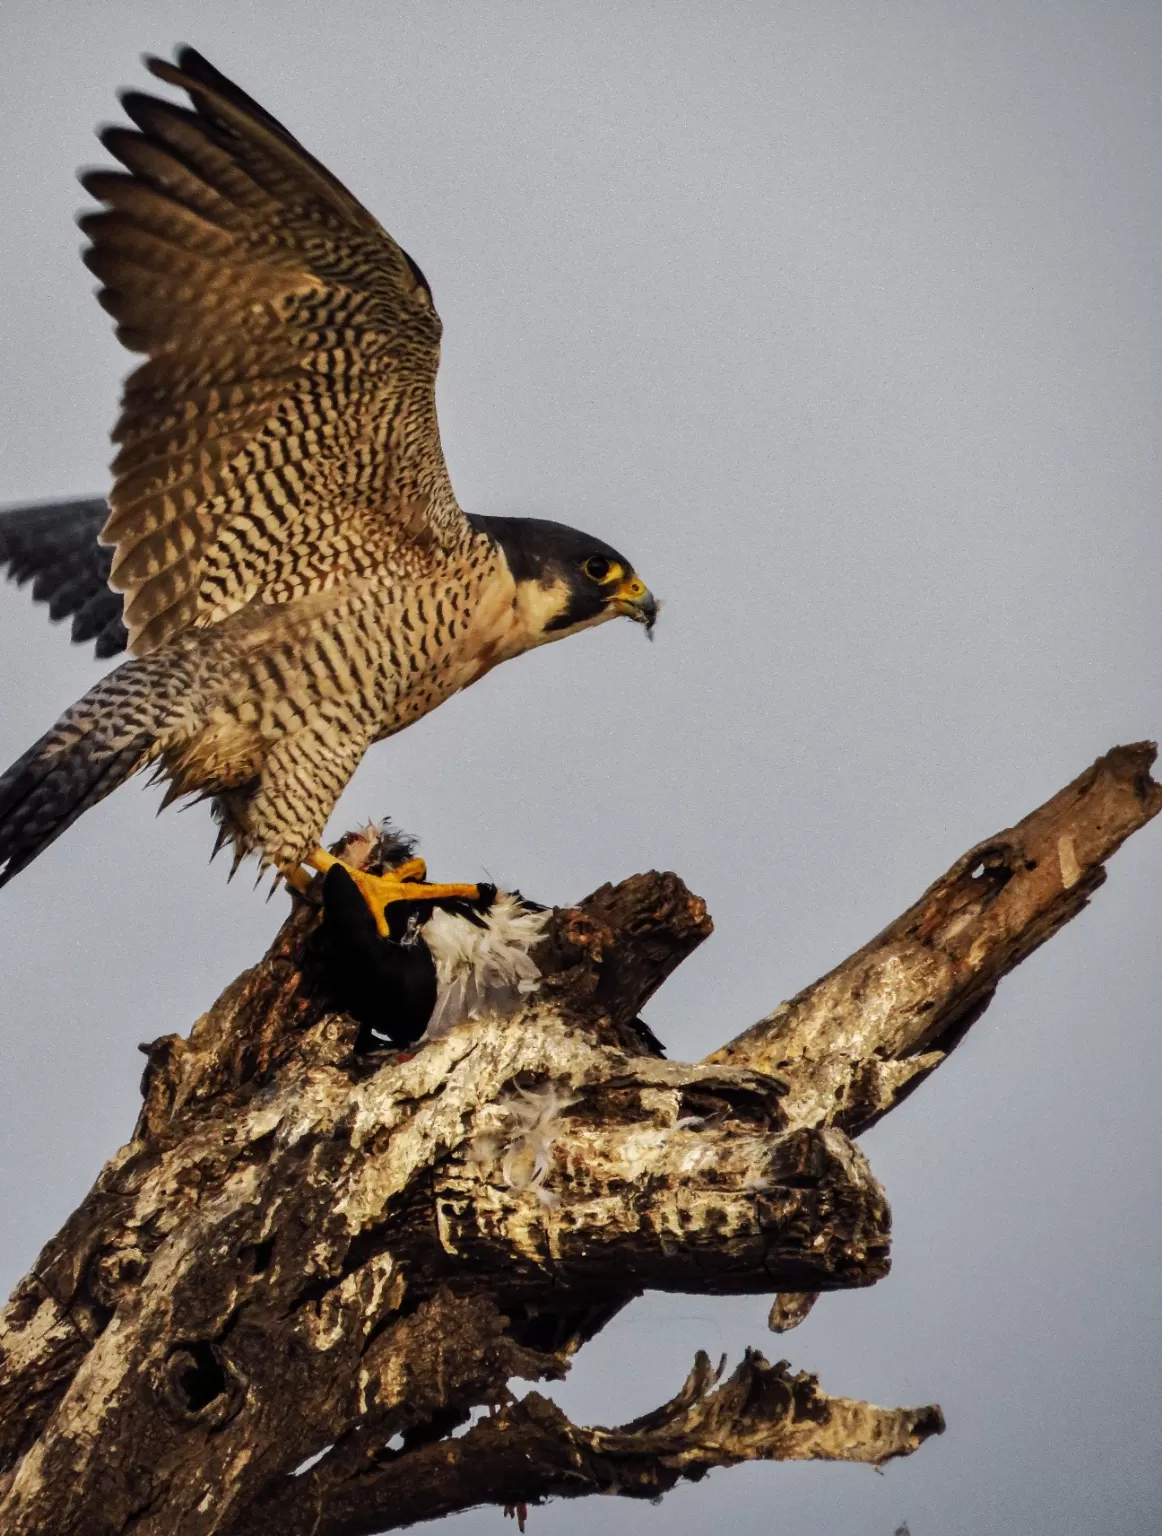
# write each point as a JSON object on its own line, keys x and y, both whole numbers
{"x": 303, "y": 1250}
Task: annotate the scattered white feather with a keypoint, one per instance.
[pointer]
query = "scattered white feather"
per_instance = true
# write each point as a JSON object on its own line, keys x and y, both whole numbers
{"x": 523, "y": 1144}
{"x": 482, "y": 968}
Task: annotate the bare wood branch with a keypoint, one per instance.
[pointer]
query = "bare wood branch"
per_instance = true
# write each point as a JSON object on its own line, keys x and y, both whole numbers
{"x": 530, "y": 1451}
{"x": 305, "y": 1248}
{"x": 857, "y": 1042}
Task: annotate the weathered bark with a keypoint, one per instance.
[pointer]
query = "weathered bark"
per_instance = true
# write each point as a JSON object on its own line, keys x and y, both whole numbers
{"x": 530, "y": 1451}
{"x": 302, "y": 1248}
{"x": 857, "y": 1042}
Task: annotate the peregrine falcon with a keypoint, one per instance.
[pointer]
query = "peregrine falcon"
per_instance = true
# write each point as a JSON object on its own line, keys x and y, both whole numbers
{"x": 282, "y": 554}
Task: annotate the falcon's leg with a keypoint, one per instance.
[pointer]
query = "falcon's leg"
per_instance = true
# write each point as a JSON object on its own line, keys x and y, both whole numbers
{"x": 406, "y": 882}
{"x": 301, "y": 780}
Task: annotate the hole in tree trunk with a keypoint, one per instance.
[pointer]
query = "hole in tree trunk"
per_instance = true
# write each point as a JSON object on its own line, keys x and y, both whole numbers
{"x": 202, "y": 1379}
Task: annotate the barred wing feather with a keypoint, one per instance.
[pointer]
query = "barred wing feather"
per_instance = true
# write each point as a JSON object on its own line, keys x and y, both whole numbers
{"x": 282, "y": 434}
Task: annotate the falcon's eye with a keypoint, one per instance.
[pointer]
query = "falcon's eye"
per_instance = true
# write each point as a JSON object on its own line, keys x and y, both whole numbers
{"x": 598, "y": 568}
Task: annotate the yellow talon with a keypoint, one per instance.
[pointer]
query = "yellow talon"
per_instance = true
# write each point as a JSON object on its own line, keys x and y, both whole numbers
{"x": 404, "y": 883}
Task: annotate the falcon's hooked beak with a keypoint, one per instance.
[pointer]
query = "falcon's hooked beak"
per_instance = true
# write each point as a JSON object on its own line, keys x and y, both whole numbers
{"x": 637, "y": 602}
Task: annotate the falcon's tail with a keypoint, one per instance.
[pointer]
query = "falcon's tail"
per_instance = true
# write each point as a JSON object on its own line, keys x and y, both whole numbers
{"x": 96, "y": 745}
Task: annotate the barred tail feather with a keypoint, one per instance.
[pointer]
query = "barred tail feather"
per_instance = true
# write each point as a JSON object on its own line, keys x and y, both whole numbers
{"x": 107, "y": 736}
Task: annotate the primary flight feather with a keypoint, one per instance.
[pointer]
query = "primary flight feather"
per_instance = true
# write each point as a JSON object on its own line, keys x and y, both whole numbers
{"x": 284, "y": 556}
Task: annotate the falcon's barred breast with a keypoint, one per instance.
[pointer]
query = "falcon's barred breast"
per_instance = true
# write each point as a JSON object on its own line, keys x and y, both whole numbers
{"x": 297, "y": 579}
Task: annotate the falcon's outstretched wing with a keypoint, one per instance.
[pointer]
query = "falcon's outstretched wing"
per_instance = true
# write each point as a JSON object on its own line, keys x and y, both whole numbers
{"x": 282, "y": 435}
{"x": 54, "y": 546}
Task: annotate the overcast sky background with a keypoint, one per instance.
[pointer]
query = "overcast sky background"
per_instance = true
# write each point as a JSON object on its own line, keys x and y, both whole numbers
{"x": 842, "y": 321}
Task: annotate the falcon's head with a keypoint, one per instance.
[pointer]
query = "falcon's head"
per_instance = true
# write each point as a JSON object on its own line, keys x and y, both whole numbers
{"x": 567, "y": 580}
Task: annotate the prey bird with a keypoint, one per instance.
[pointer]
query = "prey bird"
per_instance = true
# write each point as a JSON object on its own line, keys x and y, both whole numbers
{"x": 282, "y": 554}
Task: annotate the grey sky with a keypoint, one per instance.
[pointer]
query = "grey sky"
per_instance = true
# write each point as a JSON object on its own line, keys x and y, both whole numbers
{"x": 842, "y": 320}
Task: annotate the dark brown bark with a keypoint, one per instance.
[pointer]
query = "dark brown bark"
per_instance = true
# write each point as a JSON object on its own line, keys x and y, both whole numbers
{"x": 303, "y": 1248}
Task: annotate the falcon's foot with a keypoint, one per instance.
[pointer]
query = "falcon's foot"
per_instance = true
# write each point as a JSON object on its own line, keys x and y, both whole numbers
{"x": 406, "y": 882}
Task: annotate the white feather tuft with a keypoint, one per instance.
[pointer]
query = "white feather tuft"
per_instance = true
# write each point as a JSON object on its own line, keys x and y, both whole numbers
{"x": 523, "y": 1145}
{"x": 482, "y": 968}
